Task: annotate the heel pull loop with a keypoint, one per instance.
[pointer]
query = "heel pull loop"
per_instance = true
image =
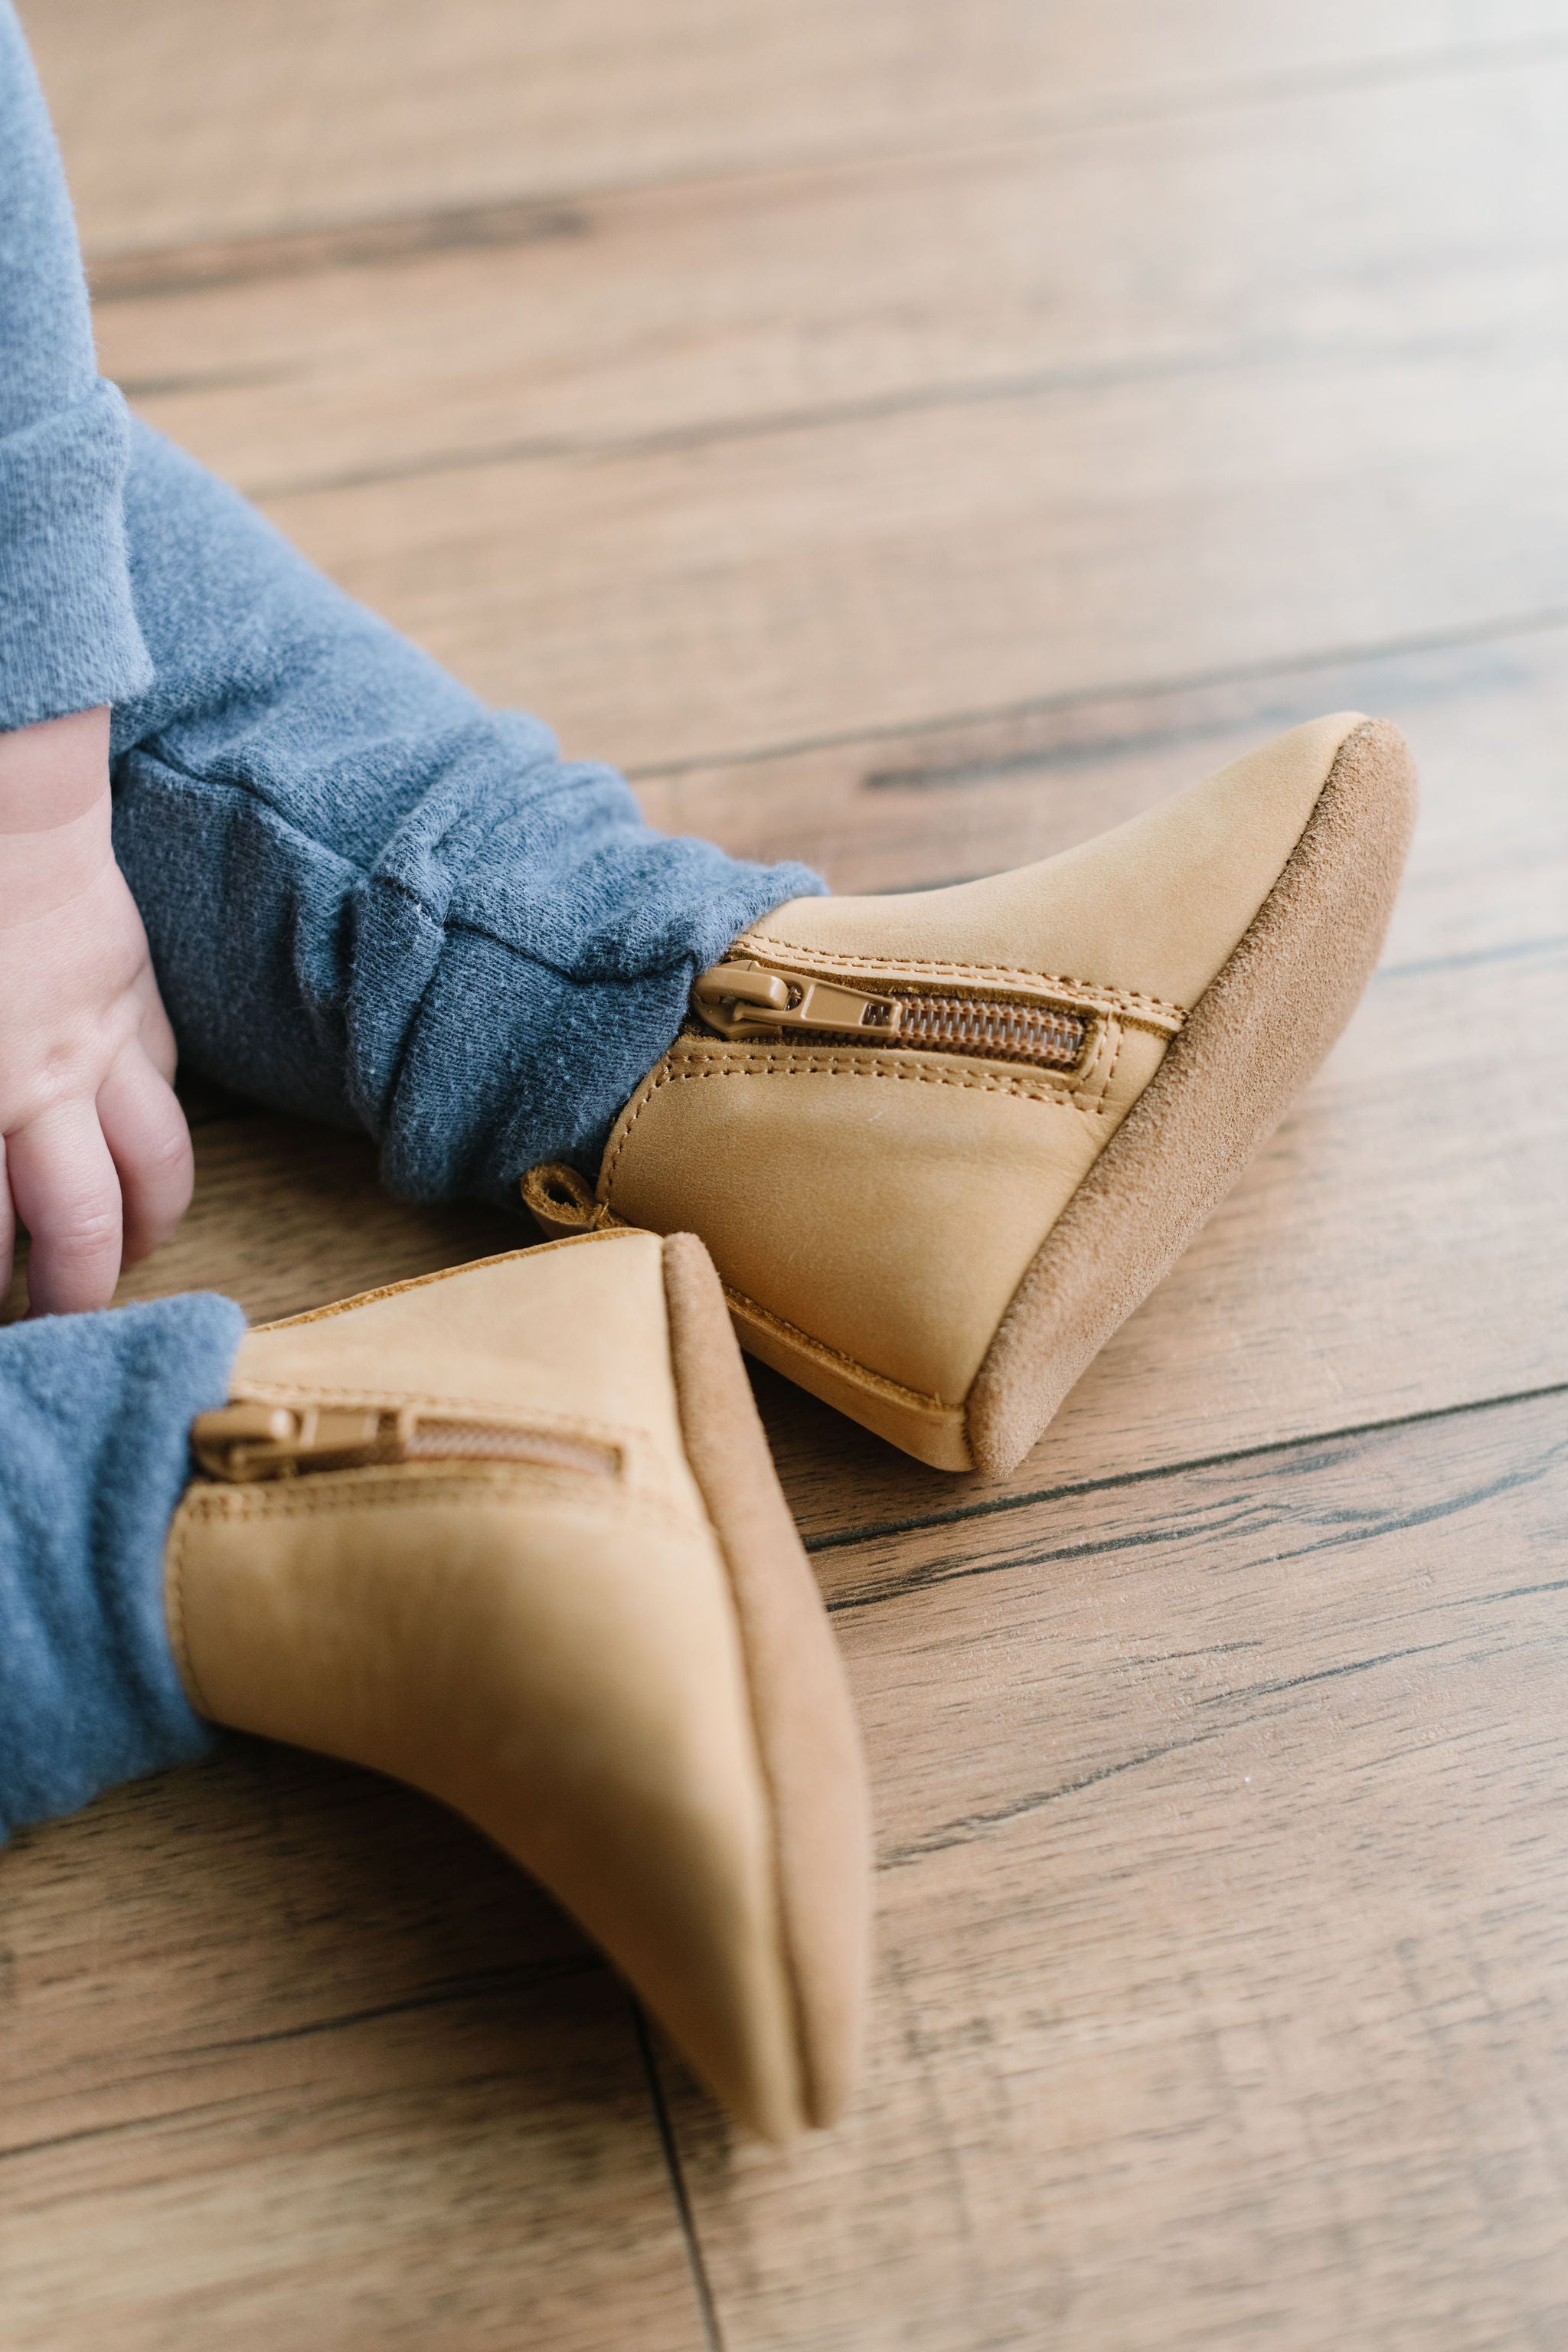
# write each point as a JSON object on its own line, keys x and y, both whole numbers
{"x": 561, "y": 1202}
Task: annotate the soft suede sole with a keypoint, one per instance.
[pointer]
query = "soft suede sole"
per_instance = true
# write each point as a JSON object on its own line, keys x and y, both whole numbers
{"x": 1249, "y": 1045}
{"x": 804, "y": 1721}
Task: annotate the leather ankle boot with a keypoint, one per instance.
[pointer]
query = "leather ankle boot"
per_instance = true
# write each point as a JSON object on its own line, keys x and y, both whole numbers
{"x": 940, "y": 1145}
{"x": 512, "y": 1534}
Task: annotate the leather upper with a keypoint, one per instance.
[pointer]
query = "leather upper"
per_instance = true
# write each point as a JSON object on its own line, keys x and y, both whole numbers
{"x": 830, "y": 1184}
{"x": 555, "y": 1653}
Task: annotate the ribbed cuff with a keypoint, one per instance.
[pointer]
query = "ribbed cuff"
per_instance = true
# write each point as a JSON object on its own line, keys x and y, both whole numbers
{"x": 68, "y": 634}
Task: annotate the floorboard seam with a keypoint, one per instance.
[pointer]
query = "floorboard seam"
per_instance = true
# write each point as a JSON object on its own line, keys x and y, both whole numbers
{"x": 713, "y": 2333}
{"x": 1258, "y": 673}
{"x": 721, "y": 432}
{"x": 844, "y": 1539}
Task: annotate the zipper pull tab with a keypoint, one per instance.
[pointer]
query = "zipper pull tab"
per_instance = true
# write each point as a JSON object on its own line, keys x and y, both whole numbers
{"x": 243, "y": 1442}
{"x": 745, "y": 1000}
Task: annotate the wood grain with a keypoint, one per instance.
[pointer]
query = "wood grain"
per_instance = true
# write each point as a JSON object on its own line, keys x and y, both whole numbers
{"x": 180, "y": 122}
{"x": 748, "y": 594}
{"x": 909, "y": 809}
{"x": 1222, "y": 1893}
{"x": 1373, "y": 219}
{"x": 285, "y": 2048}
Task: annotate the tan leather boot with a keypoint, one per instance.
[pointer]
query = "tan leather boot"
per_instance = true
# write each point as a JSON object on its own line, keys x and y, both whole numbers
{"x": 941, "y": 1144}
{"x": 512, "y": 1534}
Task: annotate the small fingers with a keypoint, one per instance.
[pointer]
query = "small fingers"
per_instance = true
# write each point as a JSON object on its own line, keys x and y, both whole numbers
{"x": 68, "y": 1195}
{"x": 157, "y": 1037}
{"x": 8, "y": 1225}
{"x": 150, "y": 1144}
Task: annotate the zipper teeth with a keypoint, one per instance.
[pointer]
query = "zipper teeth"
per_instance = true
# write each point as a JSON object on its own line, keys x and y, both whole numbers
{"x": 393, "y": 1438}
{"x": 479, "y": 1441}
{"x": 1001, "y": 1032}
{"x": 956, "y": 1024}
{"x": 765, "y": 1003}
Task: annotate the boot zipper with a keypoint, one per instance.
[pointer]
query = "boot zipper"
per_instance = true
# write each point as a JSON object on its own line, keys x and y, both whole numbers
{"x": 750, "y": 1000}
{"x": 241, "y": 1443}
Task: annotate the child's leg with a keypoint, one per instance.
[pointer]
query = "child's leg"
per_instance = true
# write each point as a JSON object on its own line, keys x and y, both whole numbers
{"x": 372, "y": 899}
{"x": 95, "y": 1412}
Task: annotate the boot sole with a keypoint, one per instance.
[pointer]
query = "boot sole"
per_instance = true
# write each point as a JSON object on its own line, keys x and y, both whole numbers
{"x": 1252, "y": 1041}
{"x": 802, "y": 1713}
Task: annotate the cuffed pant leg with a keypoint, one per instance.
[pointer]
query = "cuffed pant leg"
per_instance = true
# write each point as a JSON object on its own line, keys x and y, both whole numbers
{"x": 370, "y": 898}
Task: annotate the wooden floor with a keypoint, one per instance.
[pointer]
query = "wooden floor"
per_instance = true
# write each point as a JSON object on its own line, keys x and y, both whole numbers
{"x": 913, "y": 437}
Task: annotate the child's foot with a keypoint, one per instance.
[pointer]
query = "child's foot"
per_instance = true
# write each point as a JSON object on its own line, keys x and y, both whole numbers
{"x": 512, "y": 1534}
{"x": 941, "y": 1144}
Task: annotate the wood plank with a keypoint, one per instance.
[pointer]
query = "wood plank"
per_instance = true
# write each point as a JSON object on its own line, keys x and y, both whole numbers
{"x": 180, "y": 122}
{"x": 1222, "y": 1900}
{"x": 287, "y": 2053}
{"x": 679, "y": 605}
{"x": 914, "y": 808}
{"x": 1375, "y": 217}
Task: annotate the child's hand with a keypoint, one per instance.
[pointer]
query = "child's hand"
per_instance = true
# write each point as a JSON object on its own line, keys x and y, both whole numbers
{"x": 95, "y": 1157}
